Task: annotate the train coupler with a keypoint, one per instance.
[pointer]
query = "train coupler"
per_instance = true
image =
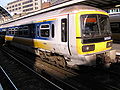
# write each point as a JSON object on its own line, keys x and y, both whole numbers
{"x": 107, "y": 58}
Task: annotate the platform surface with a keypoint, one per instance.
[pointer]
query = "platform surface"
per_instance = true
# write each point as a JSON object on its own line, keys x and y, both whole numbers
{"x": 117, "y": 47}
{"x": 1, "y": 87}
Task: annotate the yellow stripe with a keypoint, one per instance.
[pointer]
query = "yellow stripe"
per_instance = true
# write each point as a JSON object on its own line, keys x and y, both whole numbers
{"x": 46, "y": 20}
{"x": 30, "y": 42}
{"x": 92, "y": 12}
{"x": 9, "y": 38}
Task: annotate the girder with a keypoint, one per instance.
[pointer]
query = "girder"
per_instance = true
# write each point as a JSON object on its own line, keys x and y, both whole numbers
{"x": 4, "y": 15}
{"x": 103, "y": 4}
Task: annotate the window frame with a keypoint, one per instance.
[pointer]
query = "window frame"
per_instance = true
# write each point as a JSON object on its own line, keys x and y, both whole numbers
{"x": 64, "y": 33}
{"x": 44, "y": 29}
{"x": 53, "y": 30}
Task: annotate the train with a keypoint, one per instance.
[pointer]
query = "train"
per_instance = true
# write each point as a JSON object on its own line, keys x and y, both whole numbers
{"x": 70, "y": 36}
{"x": 115, "y": 26}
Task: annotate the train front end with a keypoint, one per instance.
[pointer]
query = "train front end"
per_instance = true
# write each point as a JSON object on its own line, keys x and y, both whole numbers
{"x": 93, "y": 38}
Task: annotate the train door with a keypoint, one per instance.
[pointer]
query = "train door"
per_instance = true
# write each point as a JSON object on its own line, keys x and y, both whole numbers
{"x": 64, "y": 45}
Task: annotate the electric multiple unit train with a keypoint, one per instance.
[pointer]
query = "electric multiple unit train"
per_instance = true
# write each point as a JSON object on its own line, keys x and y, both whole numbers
{"x": 68, "y": 36}
{"x": 115, "y": 26}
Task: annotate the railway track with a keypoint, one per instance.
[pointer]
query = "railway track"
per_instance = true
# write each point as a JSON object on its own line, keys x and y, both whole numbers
{"x": 85, "y": 79}
{"x": 48, "y": 85}
{"x": 62, "y": 85}
{"x": 8, "y": 84}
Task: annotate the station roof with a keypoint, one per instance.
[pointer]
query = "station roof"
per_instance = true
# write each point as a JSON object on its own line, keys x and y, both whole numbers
{"x": 4, "y": 15}
{"x": 103, "y": 4}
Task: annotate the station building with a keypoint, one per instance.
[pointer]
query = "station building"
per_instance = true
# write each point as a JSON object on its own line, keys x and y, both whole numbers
{"x": 24, "y": 6}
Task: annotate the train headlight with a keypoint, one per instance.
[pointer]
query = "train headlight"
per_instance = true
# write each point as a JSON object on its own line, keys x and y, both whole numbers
{"x": 87, "y": 48}
{"x": 109, "y": 44}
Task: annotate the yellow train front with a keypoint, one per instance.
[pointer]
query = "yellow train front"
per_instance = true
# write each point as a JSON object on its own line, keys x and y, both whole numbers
{"x": 74, "y": 35}
{"x": 91, "y": 38}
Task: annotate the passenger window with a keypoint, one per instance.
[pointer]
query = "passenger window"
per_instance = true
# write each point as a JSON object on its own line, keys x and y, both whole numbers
{"x": 64, "y": 30}
{"x": 16, "y": 30}
{"x": 25, "y": 27}
{"x": 3, "y": 31}
{"x": 25, "y": 30}
{"x": 44, "y": 30}
{"x": 53, "y": 30}
{"x": 20, "y": 31}
{"x": 38, "y": 31}
{"x": 10, "y": 31}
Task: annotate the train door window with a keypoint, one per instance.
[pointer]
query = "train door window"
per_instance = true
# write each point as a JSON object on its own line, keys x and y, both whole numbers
{"x": 45, "y": 30}
{"x": 53, "y": 30}
{"x": 64, "y": 30}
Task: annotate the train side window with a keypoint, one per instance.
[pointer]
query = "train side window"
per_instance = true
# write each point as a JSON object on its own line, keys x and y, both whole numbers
{"x": 20, "y": 31}
{"x": 38, "y": 27}
{"x": 53, "y": 30}
{"x": 16, "y": 31}
{"x": 64, "y": 30}
{"x": 25, "y": 27}
{"x": 9, "y": 31}
{"x": 3, "y": 31}
{"x": 45, "y": 30}
{"x": 12, "y": 32}
{"x": 25, "y": 30}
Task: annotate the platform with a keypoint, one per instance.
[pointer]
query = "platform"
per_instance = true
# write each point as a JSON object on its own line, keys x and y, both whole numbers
{"x": 117, "y": 47}
{"x": 1, "y": 87}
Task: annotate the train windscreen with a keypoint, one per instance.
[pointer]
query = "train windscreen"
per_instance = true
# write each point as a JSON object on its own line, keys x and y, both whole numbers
{"x": 95, "y": 25}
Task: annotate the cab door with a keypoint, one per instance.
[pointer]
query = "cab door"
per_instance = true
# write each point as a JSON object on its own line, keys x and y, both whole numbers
{"x": 64, "y": 35}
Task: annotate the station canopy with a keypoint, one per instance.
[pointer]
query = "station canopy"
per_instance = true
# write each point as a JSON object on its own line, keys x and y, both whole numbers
{"x": 103, "y": 4}
{"x": 4, "y": 15}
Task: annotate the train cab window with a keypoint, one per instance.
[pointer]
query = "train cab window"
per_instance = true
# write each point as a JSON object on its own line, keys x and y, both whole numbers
{"x": 53, "y": 30}
{"x": 64, "y": 30}
{"x": 45, "y": 30}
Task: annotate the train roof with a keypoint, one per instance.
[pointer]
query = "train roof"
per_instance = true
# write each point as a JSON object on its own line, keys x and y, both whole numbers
{"x": 80, "y": 8}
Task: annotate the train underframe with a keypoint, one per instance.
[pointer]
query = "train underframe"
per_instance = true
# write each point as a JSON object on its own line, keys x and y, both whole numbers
{"x": 104, "y": 58}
